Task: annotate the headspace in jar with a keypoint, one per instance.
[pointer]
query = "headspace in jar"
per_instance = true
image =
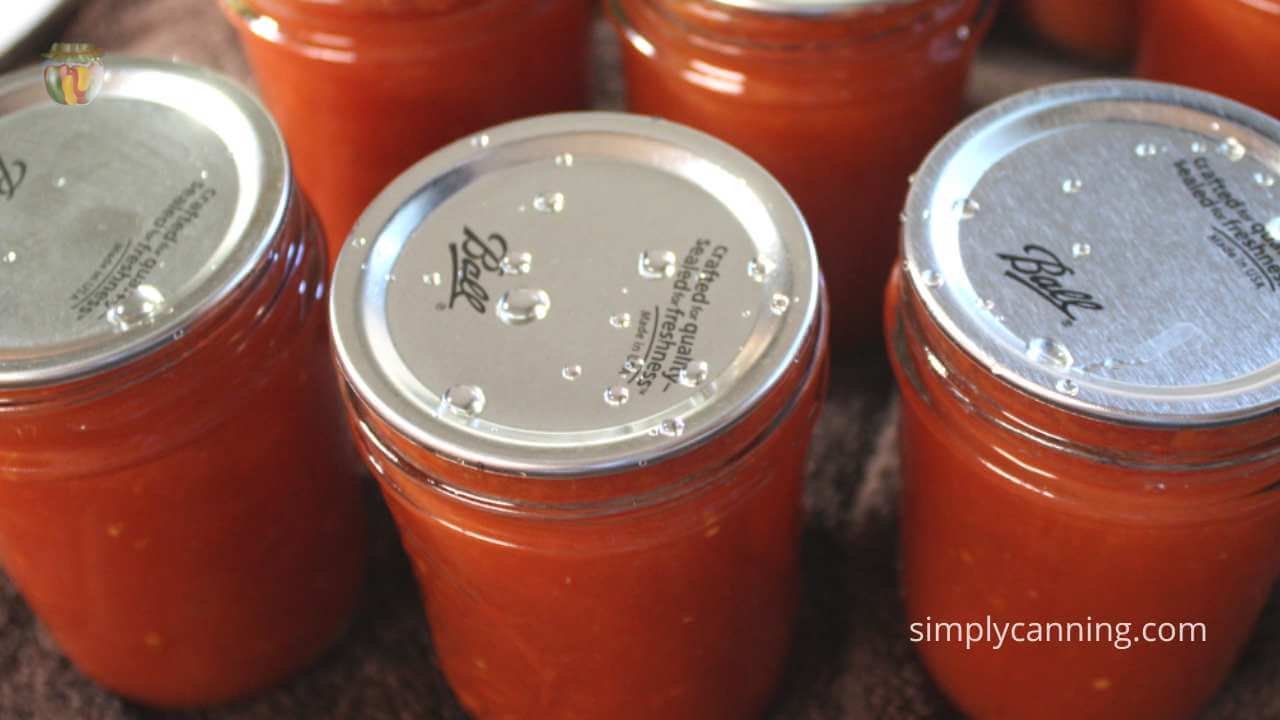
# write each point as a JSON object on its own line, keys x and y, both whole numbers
{"x": 1085, "y": 337}
{"x": 365, "y": 88}
{"x": 584, "y": 356}
{"x": 840, "y": 99}
{"x": 177, "y": 500}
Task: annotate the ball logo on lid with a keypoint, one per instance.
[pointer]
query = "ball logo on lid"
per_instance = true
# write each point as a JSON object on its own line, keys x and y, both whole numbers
{"x": 73, "y": 73}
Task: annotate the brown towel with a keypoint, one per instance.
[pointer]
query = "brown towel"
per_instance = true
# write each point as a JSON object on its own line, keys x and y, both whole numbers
{"x": 851, "y": 660}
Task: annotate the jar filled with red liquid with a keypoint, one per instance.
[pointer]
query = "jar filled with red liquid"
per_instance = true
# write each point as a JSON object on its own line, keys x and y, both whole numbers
{"x": 1223, "y": 46}
{"x": 839, "y": 100}
{"x": 584, "y": 357}
{"x": 178, "y": 502}
{"x": 1084, "y": 334}
{"x": 364, "y": 88}
{"x": 1104, "y": 30}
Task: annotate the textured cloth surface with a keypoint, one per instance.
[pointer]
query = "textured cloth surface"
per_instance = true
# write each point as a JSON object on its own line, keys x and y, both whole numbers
{"x": 851, "y": 659}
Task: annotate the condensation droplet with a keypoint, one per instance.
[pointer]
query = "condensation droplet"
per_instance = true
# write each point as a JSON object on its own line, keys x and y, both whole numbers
{"x": 671, "y": 427}
{"x": 1273, "y": 229}
{"x": 516, "y": 264}
{"x": 361, "y": 241}
{"x": 1068, "y": 387}
{"x": 564, "y": 160}
{"x": 142, "y": 306}
{"x": 1071, "y": 186}
{"x": 779, "y": 303}
{"x": 986, "y": 304}
{"x": 1264, "y": 179}
{"x": 746, "y": 313}
{"x": 432, "y": 278}
{"x": 1047, "y": 351}
{"x": 464, "y": 400}
{"x": 1198, "y": 148}
{"x": 965, "y": 208}
{"x": 60, "y": 183}
{"x": 523, "y": 306}
{"x": 480, "y": 141}
{"x": 9, "y": 258}
{"x": 1215, "y": 126}
{"x": 571, "y": 372}
{"x": 657, "y": 264}
{"x": 931, "y": 278}
{"x": 694, "y": 374}
{"x": 549, "y": 203}
{"x": 1081, "y": 249}
{"x": 1146, "y": 149}
{"x": 758, "y": 268}
{"x": 616, "y": 395}
{"x": 621, "y": 320}
{"x": 1232, "y": 149}
{"x": 632, "y": 364}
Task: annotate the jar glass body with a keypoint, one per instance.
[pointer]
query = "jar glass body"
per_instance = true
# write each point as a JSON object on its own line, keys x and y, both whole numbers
{"x": 1097, "y": 29}
{"x": 1005, "y": 516}
{"x": 1223, "y": 46}
{"x": 364, "y": 90}
{"x": 188, "y": 526}
{"x": 664, "y": 591}
{"x": 841, "y": 108}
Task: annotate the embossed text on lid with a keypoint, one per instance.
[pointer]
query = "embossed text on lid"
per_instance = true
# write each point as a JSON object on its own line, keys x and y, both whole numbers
{"x": 574, "y": 294}
{"x": 1112, "y": 247}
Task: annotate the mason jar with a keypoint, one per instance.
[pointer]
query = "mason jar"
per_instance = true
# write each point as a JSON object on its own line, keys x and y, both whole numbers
{"x": 178, "y": 501}
{"x": 584, "y": 359}
{"x": 1083, "y": 331}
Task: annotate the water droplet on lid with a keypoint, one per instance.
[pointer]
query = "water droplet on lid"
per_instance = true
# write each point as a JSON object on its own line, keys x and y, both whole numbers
{"x": 1232, "y": 149}
{"x": 986, "y": 304}
{"x": 431, "y": 278}
{"x": 480, "y": 141}
{"x": 204, "y": 174}
{"x": 1215, "y": 126}
{"x": 9, "y": 258}
{"x": 926, "y": 214}
{"x": 523, "y": 305}
{"x": 1071, "y": 186}
{"x": 464, "y": 400}
{"x": 616, "y": 395}
{"x": 142, "y": 306}
{"x": 1198, "y": 148}
{"x": 694, "y": 374}
{"x": 516, "y": 264}
{"x": 564, "y": 160}
{"x": 966, "y": 208}
{"x": 632, "y": 364}
{"x": 620, "y": 320}
{"x": 1047, "y": 351}
{"x": 1068, "y": 387}
{"x": 779, "y": 303}
{"x": 361, "y": 241}
{"x": 1264, "y": 179}
{"x": 571, "y": 372}
{"x": 931, "y": 278}
{"x": 758, "y": 268}
{"x": 1146, "y": 149}
{"x": 746, "y": 313}
{"x": 1273, "y": 229}
{"x": 549, "y": 203}
{"x": 672, "y": 427}
{"x": 1081, "y": 249}
{"x": 657, "y": 264}
{"x": 60, "y": 182}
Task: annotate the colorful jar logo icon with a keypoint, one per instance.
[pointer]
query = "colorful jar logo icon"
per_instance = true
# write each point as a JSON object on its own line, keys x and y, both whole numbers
{"x": 73, "y": 73}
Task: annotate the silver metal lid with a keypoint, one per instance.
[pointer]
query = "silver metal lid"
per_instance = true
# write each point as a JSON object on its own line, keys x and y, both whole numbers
{"x": 811, "y": 7}
{"x": 1112, "y": 247}
{"x": 573, "y": 294}
{"x": 123, "y": 220}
